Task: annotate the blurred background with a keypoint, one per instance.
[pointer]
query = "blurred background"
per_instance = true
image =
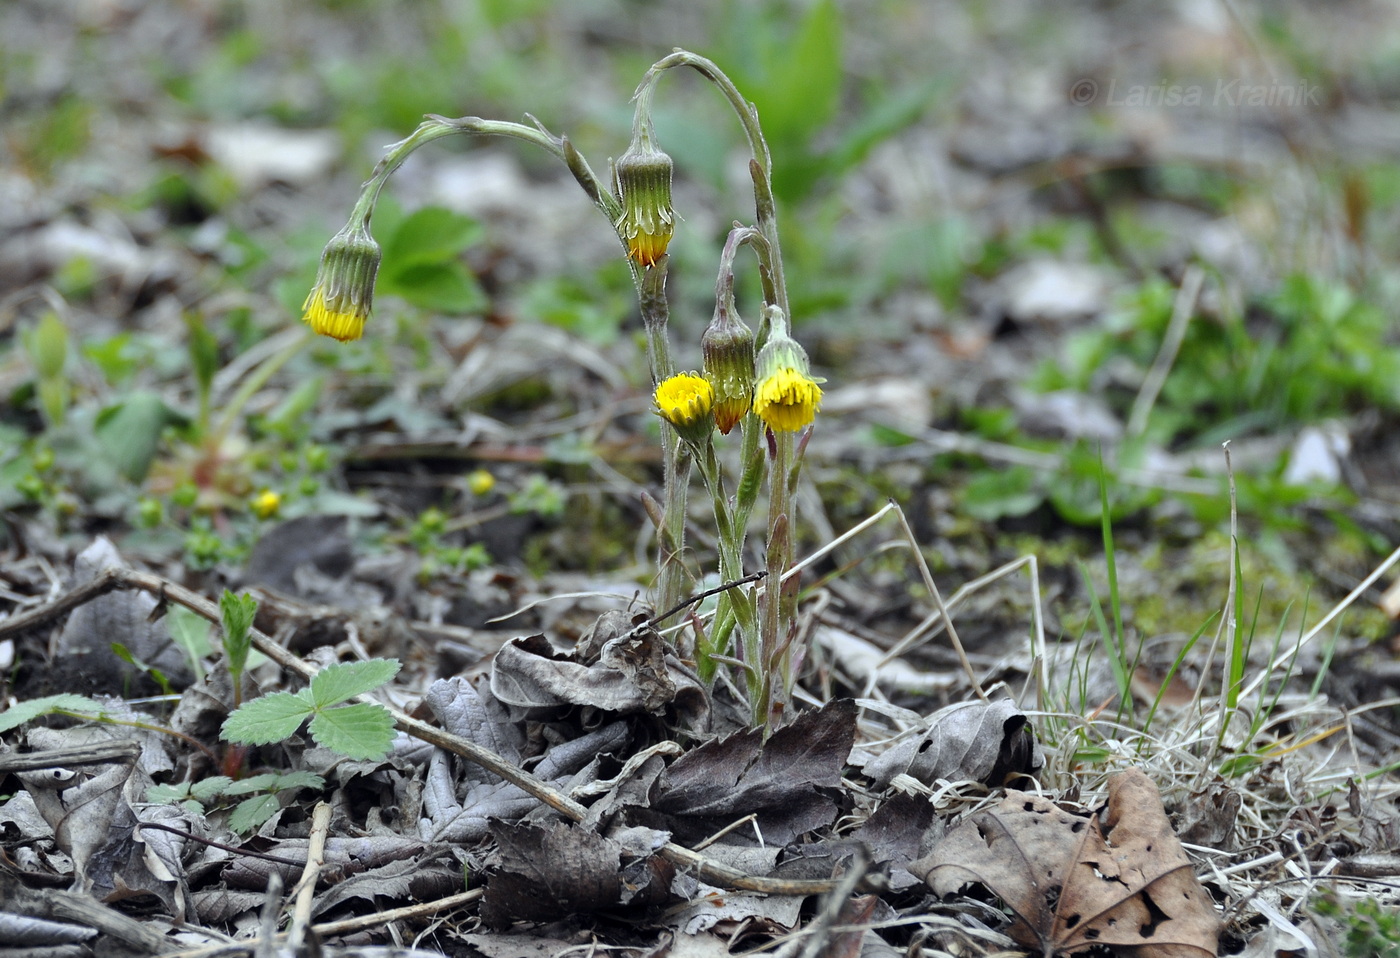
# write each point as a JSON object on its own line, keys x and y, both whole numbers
{"x": 1030, "y": 246}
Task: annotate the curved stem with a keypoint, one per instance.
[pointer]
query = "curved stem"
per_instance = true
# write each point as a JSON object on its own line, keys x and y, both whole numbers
{"x": 761, "y": 167}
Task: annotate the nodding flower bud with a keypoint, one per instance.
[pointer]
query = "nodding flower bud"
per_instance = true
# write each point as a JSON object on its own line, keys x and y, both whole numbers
{"x": 643, "y": 176}
{"x": 786, "y": 397}
{"x": 727, "y": 347}
{"x": 685, "y": 400}
{"x": 340, "y": 301}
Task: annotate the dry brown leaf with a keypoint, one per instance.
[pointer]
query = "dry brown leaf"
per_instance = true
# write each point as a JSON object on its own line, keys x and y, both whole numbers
{"x": 1119, "y": 878}
{"x": 980, "y": 741}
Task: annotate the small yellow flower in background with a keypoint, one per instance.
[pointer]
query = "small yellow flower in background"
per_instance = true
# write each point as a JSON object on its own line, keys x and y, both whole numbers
{"x": 643, "y": 176}
{"x": 787, "y": 397}
{"x": 340, "y": 301}
{"x": 787, "y": 400}
{"x": 266, "y": 504}
{"x": 480, "y": 482}
{"x": 685, "y": 400}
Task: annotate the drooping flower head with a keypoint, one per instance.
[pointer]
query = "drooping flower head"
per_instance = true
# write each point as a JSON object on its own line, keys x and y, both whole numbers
{"x": 729, "y": 365}
{"x": 686, "y": 401}
{"x": 643, "y": 176}
{"x": 340, "y": 301}
{"x": 786, "y": 396}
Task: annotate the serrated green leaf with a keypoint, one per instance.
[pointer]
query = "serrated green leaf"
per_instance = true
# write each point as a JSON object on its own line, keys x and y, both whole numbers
{"x": 207, "y": 788}
{"x": 159, "y": 794}
{"x": 271, "y": 718}
{"x": 253, "y": 783}
{"x": 253, "y": 812}
{"x": 345, "y": 680}
{"x": 361, "y": 731}
{"x": 294, "y": 780}
{"x": 22, "y": 712}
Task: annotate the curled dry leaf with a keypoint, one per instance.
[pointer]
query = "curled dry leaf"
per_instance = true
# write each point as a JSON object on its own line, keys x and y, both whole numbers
{"x": 1119, "y": 878}
{"x": 630, "y": 675}
{"x": 974, "y": 741}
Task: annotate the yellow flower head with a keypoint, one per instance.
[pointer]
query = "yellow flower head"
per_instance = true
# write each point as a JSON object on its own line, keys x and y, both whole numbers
{"x": 787, "y": 397}
{"x": 685, "y": 400}
{"x": 340, "y": 301}
{"x": 643, "y": 176}
{"x": 266, "y": 504}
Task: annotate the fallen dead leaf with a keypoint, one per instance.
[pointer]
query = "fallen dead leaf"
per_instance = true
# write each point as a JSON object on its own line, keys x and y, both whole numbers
{"x": 975, "y": 741}
{"x": 789, "y": 781}
{"x": 1118, "y": 878}
{"x": 549, "y": 871}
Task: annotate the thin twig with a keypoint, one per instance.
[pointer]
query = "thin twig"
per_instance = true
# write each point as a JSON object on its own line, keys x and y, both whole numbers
{"x": 246, "y": 852}
{"x": 306, "y": 889}
{"x": 701, "y": 596}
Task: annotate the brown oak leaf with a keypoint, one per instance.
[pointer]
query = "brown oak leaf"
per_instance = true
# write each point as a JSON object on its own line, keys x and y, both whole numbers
{"x": 1119, "y": 878}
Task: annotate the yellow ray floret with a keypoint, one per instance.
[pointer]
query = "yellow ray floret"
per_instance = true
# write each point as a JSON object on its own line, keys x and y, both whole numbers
{"x": 344, "y": 324}
{"x": 787, "y": 399}
{"x": 685, "y": 400}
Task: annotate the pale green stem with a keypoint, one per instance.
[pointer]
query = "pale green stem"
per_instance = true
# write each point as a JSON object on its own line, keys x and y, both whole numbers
{"x": 255, "y": 380}
{"x": 676, "y": 459}
{"x": 735, "y": 605}
{"x": 775, "y": 641}
{"x": 675, "y": 479}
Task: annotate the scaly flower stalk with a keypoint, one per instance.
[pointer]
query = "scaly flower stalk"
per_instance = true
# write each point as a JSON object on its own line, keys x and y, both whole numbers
{"x": 786, "y": 400}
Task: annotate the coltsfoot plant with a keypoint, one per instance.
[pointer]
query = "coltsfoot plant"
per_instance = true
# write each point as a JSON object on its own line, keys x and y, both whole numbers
{"x": 757, "y": 382}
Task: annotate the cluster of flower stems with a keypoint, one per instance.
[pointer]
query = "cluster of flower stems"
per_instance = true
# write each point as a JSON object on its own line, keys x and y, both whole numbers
{"x": 757, "y": 381}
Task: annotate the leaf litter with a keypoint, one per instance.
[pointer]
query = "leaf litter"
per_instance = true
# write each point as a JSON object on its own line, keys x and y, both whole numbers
{"x": 764, "y": 808}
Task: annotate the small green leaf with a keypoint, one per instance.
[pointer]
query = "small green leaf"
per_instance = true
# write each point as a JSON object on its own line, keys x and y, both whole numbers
{"x": 207, "y": 788}
{"x": 253, "y": 812}
{"x": 361, "y": 731}
{"x": 271, "y": 718}
{"x": 160, "y": 794}
{"x": 48, "y": 346}
{"x": 237, "y": 612}
{"x": 22, "y": 712}
{"x": 441, "y": 287}
{"x": 130, "y": 432}
{"x": 190, "y": 631}
{"x": 430, "y": 235}
{"x": 337, "y": 683}
{"x": 295, "y": 780}
{"x": 204, "y": 351}
{"x": 253, "y": 783}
